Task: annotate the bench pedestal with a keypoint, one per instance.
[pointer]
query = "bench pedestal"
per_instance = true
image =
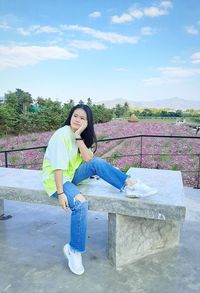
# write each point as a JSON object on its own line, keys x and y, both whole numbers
{"x": 1, "y": 207}
{"x": 132, "y": 238}
{"x": 2, "y": 216}
{"x": 137, "y": 227}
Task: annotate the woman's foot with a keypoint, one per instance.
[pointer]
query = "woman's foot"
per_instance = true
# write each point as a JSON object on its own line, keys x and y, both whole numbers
{"x": 138, "y": 189}
{"x": 130, "y": 181}
{"x": 74, "y": 260}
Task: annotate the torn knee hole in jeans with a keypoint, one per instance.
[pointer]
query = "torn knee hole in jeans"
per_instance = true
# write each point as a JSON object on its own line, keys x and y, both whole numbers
{"x": 79, "y": 197}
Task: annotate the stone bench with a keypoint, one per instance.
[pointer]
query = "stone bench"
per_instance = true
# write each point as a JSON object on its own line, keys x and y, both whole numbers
{"x": 136, "y": 227}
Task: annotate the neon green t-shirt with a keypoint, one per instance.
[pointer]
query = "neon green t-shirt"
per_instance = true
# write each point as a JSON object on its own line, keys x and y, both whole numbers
{"x": 61, "y": 153}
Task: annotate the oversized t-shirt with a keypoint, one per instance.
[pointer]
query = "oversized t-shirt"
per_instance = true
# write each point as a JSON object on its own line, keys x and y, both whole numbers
{"x": 61, "y": 153}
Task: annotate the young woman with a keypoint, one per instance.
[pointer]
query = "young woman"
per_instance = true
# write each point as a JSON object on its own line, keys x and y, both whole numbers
{"x": 69, "y": 160}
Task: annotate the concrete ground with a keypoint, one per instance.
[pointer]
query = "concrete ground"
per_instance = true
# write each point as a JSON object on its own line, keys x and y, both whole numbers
{"x": 32, "y": 261}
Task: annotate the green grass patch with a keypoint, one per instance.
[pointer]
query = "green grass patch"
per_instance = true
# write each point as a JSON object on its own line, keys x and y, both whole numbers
{"x": 166, "y": 144}
{"x": 163, "y": 120}
{"x": 14, "y": 159}
{"x": 174, "y": 167}
{"x": 164, "y": 158}
{"x": 127, "y": 167}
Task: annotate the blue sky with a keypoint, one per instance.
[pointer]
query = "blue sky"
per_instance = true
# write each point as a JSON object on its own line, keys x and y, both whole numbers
{"x": 105, "y": 49}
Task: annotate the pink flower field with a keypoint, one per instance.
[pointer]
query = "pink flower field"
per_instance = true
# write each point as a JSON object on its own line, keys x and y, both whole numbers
{"x": 123, "y": 153}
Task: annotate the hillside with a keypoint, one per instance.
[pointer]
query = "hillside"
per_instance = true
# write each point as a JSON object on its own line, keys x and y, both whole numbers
{"x": 172, "y": 103}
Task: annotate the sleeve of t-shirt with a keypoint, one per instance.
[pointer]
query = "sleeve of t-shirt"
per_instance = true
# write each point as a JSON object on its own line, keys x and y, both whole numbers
{"x": 57, "y": 152}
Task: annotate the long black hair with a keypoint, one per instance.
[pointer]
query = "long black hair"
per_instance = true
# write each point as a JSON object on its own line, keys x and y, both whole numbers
{"x": 88, "y": 135}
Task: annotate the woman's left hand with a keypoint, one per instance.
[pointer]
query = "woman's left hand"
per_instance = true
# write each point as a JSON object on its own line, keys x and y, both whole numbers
{"x": 81, "y": 128}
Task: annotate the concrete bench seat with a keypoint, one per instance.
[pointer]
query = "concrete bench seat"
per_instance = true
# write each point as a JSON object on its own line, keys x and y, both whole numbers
{"x": 136, "y": 227}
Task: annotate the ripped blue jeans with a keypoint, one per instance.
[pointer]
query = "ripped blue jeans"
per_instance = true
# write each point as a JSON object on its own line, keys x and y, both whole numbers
{"x": 79, "y": 209}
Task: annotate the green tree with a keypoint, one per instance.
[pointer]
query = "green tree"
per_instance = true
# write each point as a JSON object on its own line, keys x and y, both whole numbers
{"x": 119, "y": 110}
{"x": 146, "y": 112}
{"x": 101, "y": 114}
{"x": 126, "y": 108}
{"x": 179, "y": 113}
{"x": 6, "y": 120}
{"x": 89, "y": 102}
{"x": 19, "y": 100}
{"x": 163, "y": 113}
{"x": 81, "y": 102}
{"x": 24, "y": 100}
{"x": 43, "y": 115}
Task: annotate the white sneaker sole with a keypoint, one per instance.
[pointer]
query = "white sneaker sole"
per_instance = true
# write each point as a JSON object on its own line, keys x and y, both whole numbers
{"x": 67, "y": 255}
{"x": 140, "y": 195}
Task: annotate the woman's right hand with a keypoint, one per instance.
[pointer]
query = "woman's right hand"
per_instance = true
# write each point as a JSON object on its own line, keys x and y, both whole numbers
{"x": 62, "y": 198}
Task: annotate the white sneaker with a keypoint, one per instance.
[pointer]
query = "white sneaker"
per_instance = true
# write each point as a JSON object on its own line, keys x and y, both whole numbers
{"x": 139, "y": 189}
{"x": 74, "y": 260}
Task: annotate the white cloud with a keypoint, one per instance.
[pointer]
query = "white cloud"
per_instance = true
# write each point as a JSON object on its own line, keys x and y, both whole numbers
{"x": 178, "y": 60}
{"x": 4, "y": 25}
{"x": 106, "y": 36}
{"x": 147, "y": 30}
{"x": 171, "y": 75}
{"x": 23, "y": 32}
{"x": 133, "y": 13}
{"x": 158, "y": 81}
{"x": 192, "y": 30}
{"x": 37, "y": 29}
{"x": 196, "y": 58}
{"x": 154, "y": 11}
{"x": 136, "y": 13}
{"x": 179, "y": 72}
{"x": 87, "y": 45}
{"x": 9, "y": 21}
{"x": 54, "y": 42}
{"x": 166, "y": 4}
{"x": 46, "y": 29}
{"x": 17, "y": 56}
{"x": 125, "y": 17}
{"x": 95, "y": 14}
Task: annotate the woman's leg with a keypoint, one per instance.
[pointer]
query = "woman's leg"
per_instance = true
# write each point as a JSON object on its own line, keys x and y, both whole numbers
{"x": 79, "y": 208}
{"x": 103, "y": 169}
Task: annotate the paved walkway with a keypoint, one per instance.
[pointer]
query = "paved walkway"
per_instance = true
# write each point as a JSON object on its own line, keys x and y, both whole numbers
{"x": 31, "y": 258}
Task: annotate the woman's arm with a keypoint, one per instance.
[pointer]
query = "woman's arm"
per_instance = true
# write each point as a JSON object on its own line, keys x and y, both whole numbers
{"x": 86, "y": 153}
{"x": 62, "y": 198}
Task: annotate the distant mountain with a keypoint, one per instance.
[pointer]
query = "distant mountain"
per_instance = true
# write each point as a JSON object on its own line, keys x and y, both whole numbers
{"x": 113, "y": 103}
{"x": 172, "y": 103}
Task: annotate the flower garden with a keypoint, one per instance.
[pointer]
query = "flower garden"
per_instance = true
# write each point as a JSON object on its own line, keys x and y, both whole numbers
{"x": 162, "y": 153}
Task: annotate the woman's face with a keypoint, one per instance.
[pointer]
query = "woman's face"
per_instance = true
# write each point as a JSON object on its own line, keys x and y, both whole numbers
{"x": 79, "y": 116}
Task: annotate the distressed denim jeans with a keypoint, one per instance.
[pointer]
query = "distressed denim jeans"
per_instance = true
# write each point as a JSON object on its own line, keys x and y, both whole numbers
{"x": 79, "y": 209}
